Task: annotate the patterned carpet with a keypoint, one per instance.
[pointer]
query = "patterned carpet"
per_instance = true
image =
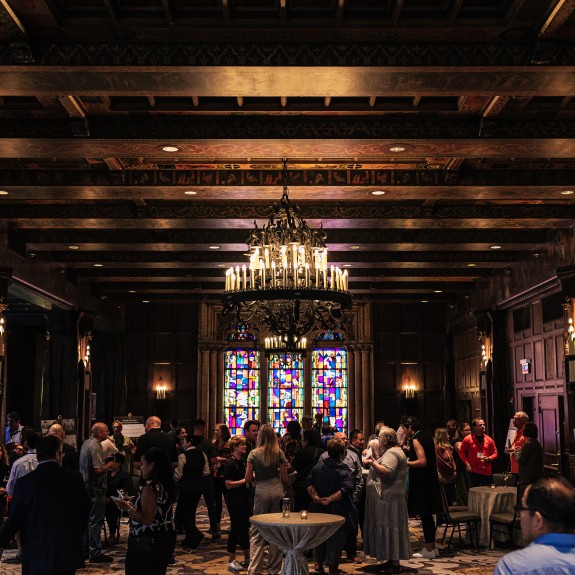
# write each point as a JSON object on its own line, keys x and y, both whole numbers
{"x": 211, "y": 557}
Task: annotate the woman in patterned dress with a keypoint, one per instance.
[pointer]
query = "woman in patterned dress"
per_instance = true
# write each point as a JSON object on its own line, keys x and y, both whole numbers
{"x": 152, "y": 536}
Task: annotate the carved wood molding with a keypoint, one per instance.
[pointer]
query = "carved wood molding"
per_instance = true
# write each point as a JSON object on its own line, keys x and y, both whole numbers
{"x": 289, "y": 54}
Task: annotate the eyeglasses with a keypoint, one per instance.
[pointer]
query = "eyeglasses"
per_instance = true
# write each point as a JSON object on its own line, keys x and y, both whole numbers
{"x": 520, "y": 508}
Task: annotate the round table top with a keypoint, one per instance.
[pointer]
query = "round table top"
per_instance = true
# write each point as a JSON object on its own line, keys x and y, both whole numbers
{"x": 277, "y": 519}
{"x": 488, "y": 490}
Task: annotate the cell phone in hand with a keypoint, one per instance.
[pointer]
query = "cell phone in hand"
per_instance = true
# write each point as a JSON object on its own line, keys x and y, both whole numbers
{"x": 116, "y": 499}
{"x": 122, "y": 493}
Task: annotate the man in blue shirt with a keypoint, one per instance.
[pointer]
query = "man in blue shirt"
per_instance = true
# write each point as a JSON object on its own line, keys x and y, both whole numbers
{"x": 547, "y": 513}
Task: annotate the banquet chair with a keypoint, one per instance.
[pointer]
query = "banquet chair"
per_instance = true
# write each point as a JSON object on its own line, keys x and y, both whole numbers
{"x": 503, "y": 522}
{"x": 454, "y": 519}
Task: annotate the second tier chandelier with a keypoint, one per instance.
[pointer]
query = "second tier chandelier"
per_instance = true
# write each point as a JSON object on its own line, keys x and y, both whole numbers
{"x": 287, "y": 286}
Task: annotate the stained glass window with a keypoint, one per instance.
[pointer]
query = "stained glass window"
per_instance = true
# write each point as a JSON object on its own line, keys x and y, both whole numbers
{"x": 329, "y": 385}
{"x": 241, "y": 388}
{"x": 285, "y": 394}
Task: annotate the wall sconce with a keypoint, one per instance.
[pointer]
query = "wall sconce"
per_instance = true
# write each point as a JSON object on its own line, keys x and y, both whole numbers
{"x": 571, "y": 330}
{"x": 161, "y": 389}
{"x": 161, "y": 392}
{"x": 409, "y": 390}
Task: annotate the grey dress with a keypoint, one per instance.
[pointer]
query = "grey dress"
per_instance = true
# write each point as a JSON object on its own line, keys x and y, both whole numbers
{"x": 385, "y": 532}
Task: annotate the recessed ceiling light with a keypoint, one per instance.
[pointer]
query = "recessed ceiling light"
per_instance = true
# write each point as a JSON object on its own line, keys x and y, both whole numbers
{"x": 222, "y": 266}
{"x": 171, "y": 148}
{"x": 214, "y": 247}
{"x": 397, "y": 148}
{"x": 190, "y": 193}
{"x": 73, "y": 247}
{"x": 346, "y": 265}
{"x": 378, "y": 193}
{"x": 567, "y": 192}
{"x": 495, "y": 247}
{"x": 471, "y": 265}
{"x": 3, "y": 193}
{"x": 98, "y": 265}
{"x": 354, "y": 247}
{"x": 132, "y": 291}
{"x": 145, "y": 301}
{"x": 424, "y": 301}
{"x": 438, "y": 291}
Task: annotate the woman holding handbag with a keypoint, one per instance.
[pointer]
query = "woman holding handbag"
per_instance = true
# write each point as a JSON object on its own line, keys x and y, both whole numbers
{"x": 445, "y": 463}
{"x": 152, "y": 536}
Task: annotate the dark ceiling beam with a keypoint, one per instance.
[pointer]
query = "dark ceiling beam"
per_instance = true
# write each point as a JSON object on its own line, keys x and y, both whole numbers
{"x": 360, "y": 215}
{"x": 559, "y": 15}
{"x": 92, "y": 238}
{"x": 126, "y": 258}
{"x": 265, "y": 81}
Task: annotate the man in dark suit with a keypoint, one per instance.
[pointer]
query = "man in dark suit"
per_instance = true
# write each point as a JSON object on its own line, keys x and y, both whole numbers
{"x": 155, "y": 437}
{"x": 50, "y": 510}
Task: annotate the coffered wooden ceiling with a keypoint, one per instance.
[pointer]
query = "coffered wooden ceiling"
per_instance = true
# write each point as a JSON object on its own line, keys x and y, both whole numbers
{"x": 420, "y": 133}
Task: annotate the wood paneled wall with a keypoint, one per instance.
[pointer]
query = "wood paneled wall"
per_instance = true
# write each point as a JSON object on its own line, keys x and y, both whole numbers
{"x": 162, "y": 341}
{"x": 410, "y": 346}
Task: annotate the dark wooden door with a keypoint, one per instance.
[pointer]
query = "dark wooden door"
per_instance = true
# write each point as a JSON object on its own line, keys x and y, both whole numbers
{"x": 551, "y": 424}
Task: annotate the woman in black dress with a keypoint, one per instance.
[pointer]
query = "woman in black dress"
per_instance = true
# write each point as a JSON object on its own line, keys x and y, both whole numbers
{"x": 424, "y": 496}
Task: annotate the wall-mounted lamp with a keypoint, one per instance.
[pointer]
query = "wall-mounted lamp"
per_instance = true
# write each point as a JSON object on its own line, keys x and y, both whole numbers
{"x": 409, "y": 390}
{"x": 571, "y": 330}
{"x": 161, "y": 389}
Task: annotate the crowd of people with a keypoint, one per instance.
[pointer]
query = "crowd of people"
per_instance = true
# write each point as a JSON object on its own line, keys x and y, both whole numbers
{"x": 159, "y": 480}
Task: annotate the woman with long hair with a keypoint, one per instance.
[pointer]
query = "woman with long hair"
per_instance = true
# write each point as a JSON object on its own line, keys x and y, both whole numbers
{"x": 424, "y": 496}
{"x": 445, "y": 463}
{"x": 221, "y": 443}
{"x": 152, "y": 537}
{"x": 462, "y": 478}
{"x": 266, "y": 464}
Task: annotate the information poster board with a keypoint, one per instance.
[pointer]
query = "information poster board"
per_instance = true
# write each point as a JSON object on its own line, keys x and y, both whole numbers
{"x": 132, "y": 425}
{"x": 69, "y": 425}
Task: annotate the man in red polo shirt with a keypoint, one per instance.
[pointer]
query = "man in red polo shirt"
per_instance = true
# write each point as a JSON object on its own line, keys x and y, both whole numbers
{"x": 519, "y": 421}
{"x": 477, "y": 451}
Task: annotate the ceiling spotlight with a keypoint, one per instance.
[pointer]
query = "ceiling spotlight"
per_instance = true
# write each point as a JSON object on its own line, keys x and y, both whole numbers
{"x": 397, "y": 148}
{"x": 378, "y": 193}
{"x": 567, "y": 192}
{"x": 190, "y": 193}
{"x": 3, "y": 193}
{"x": 171, "y": 149}
{"x": 73, "y": 247}
{"x": 98, "y": 265}
{"x": 222, "y": 265}
{"x": 132, "y": 291}
{"x": 346, "y": 265}
{"x": 424, "y": 301}
{"x": 471, "y": 265}
{"x": 438, "y": 291}
{"x": 354, "y": 247}
{"x": 495, "y": 247}
{"x": 145, "y": 301}
{"x": 214, "y": 247}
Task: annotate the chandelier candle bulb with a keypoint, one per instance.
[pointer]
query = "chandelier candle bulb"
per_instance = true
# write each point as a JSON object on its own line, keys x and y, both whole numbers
{"x": 284, "y": 297}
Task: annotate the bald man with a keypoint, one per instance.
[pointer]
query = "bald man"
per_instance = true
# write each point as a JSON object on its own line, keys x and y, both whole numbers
{"x": 94, "y": 471}
{"x": 69, "y": 453}
{"x": 155, "y": 437}
{"x": 519, "y": 421}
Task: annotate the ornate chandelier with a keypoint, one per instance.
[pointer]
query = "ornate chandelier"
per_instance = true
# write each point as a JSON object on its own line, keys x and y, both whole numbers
{"x": 287, "y": 285}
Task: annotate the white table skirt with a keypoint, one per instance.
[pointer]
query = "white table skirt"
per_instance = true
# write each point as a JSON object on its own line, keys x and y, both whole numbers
{"x": 295, "y": 535}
